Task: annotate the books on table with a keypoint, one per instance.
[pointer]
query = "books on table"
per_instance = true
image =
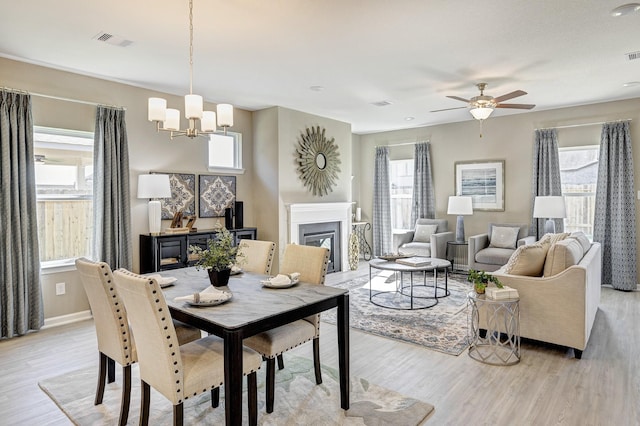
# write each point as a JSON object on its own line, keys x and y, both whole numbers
{"x": 414, "y": 261}
{"x": 496, "y": 293}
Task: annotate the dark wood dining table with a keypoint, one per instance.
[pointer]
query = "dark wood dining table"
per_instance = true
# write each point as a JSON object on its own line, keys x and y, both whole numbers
{"x": 251, "y": 310}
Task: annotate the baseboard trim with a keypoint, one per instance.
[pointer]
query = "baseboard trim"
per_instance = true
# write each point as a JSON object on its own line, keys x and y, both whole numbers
{"x": 66, "y": 319}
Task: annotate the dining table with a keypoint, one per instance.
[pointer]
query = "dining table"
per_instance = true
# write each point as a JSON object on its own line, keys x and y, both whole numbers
{"x": 252, "y": 309}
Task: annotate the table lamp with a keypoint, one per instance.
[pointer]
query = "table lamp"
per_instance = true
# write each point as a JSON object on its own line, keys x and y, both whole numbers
{"x": 460, "y": 205}
{"x": 153, "y": 187}
{"x": 551, "y": 207}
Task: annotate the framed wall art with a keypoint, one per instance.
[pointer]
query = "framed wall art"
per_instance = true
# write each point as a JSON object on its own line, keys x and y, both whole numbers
{"x": 483, "y": 181}
{"x": 183, "y": 195}
{"x": 216, "y": 193}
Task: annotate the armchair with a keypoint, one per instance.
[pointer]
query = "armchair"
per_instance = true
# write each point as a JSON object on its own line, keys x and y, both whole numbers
{"x": 428, "y": 238}
{"x": 487, "y": 256}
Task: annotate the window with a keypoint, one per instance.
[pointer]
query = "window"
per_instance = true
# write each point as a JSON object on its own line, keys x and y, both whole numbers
{"x": 579, "y": 175}
{"x": 401, "y": 179}
{"x": 225, "y": 153}
{"x": 64, "y": 193}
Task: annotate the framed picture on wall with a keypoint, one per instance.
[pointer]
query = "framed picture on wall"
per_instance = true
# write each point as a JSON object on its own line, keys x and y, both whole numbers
{"x": 483, "y": 181}
{"x": 216, "y": 193}
{"x": 183, "y": 195}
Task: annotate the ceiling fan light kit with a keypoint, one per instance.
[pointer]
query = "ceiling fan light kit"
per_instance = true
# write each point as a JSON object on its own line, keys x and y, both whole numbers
{"x": 193, "y": 107}
{"x": 625, "y": 9}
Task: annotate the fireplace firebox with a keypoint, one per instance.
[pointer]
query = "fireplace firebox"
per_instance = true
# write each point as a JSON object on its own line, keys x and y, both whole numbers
{"x": 327, "y": 235}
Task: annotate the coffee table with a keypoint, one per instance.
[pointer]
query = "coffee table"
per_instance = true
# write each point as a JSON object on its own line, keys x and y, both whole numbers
{"x": 411, "y": 296}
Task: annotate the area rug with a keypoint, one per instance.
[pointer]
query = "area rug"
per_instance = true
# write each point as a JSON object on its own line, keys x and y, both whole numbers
{"x": 442, "y": 327}
{"x": 298, "y": 400}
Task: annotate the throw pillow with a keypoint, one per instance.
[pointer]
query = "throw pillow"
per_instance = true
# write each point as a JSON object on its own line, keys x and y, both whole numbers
{"x": 553, "y": 238}
{"x": 582, "y": 239}
{"x": 527, "y": 260}
{"x": 561, "y": 255}
{"x": 504, "y": 237}
{"x": 423, "y": 233}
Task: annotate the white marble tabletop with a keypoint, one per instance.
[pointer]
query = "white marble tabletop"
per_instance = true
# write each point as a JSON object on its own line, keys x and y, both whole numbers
{"x": 251, "y": 301}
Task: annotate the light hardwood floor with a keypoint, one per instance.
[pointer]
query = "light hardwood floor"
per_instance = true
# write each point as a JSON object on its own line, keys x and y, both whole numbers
{"x": 548, "y": 387}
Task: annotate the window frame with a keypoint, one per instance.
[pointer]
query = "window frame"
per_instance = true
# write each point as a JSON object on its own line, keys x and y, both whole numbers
{"x": 401, "y": 196}
{"x": 237, "y": 154}
{"x": 67, "y": 264}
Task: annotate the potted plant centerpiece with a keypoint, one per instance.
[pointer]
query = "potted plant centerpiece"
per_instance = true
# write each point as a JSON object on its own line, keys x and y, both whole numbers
{"x": 481, "y": 279}
{"x": 218, "y": 258}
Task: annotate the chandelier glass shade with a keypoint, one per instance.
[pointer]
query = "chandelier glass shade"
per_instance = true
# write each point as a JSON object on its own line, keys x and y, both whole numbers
{"x": 168, "y": 119}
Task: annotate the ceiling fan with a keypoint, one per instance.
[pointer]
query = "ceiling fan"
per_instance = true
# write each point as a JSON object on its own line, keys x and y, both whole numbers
{"x": 43, "y": 159}
{"x": 482, "y": 106}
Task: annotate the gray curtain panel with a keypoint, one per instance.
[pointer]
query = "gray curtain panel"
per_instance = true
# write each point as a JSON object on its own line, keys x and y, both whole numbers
{"x": 424, "y": 204}
{"x": 382, "y": 232}
{"x": 615, "y": 209}
{"x": 111, "y": 202}
{"x": 21, "y": 306}
{"x": 546, "y": 176}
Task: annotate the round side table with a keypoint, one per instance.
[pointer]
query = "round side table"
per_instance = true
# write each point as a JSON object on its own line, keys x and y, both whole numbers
{"x": 501, "y": 320}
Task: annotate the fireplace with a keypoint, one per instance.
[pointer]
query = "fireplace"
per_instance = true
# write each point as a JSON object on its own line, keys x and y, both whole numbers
{"x": 322, "y": 214}
{"x": 326, "y": 234}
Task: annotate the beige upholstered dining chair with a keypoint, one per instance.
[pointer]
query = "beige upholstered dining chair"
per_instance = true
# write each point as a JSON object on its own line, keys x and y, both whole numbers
{"x": 311, "y": 263}
{"x": 256, "y": 255}
{"x": 115, "y": 340}
{"x": 177, "y": 372}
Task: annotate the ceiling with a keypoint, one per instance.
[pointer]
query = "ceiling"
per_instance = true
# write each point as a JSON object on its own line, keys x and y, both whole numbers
{"x": 411, "y": 53}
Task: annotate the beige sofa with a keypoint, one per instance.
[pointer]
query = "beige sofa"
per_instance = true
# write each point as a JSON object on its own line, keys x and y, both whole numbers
{"x": 560, "y": 308}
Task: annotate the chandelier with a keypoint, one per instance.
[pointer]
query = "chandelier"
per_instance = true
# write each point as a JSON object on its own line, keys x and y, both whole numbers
{"x": 193, "y": 107}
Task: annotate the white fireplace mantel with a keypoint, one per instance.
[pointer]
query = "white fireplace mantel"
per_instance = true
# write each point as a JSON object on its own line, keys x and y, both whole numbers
{"x": 305, "y": 213}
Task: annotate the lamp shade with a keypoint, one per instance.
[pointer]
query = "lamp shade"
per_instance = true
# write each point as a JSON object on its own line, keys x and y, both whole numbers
{"x": 551, "y": 207}
{"x": 481, "y": 113}
{"x": 154, "y": 186}
{"x": 460, "y": 205}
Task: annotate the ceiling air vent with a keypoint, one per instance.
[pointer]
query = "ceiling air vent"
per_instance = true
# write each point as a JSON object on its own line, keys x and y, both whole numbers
{"x": 112, "y": 39}
{"x": 633, "y": 55}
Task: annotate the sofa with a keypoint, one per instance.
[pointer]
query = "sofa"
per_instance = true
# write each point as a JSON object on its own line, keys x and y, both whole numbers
{"x": 428, "y": 239}
{"x": 490, "y": 251}
{"x": 559, "y": 289}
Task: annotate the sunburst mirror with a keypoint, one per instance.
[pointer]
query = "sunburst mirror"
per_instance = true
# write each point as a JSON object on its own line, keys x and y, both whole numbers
{"x": 318, "y": 160}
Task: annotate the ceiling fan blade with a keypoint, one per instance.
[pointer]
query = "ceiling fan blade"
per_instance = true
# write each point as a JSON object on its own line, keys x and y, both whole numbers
{"x": 458, "y": 98}
{"x": 447, "y": 109}
{"x": 508, "y": 96}
{"x": 516, "y": 106}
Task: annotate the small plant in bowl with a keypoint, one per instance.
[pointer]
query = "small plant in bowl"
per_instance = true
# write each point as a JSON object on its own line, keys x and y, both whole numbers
{"x": 218, "y": 258}
{"x": 481, "y": 279}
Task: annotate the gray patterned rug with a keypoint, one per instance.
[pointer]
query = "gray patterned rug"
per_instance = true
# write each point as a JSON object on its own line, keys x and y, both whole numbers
{"x": 298, "y": 400}
{"x": 442, "y": 327}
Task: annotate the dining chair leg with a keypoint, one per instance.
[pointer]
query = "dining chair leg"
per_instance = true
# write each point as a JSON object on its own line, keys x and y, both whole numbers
{"x": 111, "y": 370}
{"x": 102, "y": 377}
{"x": 271, "y": 383}
{"x": 316, "y": 360}
{"x": 280, "y": 362}
{"x": 215, "y": 397}
{"x": 178, "y": 414}
{"x": 144, "y": 403}
{"x": 252, "y": 398}
{"x": 126, "y": 395}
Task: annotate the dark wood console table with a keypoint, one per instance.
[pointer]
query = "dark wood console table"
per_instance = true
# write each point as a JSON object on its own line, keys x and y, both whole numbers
{"x": 171, "y": 251}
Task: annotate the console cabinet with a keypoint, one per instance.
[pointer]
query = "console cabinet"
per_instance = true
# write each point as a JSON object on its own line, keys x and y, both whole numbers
{"x": 170, "y": 251}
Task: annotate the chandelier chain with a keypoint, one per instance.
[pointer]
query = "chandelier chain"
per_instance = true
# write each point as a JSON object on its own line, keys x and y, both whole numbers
{"x": 191, "y": 47}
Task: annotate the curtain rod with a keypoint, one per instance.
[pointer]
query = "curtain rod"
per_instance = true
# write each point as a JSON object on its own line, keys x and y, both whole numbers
{"x": 584, "y": 124}
{"x": 402, "y": 144}
{"x": 60, "y": 98}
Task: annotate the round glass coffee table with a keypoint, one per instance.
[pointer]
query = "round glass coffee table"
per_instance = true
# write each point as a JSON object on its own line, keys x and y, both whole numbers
{"x": 411, "y": 295}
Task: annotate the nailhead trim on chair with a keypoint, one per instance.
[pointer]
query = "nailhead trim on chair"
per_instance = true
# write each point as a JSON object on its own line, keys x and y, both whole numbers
{"x": 124, "y": 326}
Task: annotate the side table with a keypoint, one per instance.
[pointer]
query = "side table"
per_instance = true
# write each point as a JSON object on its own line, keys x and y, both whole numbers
{"x": 458, "y": 255}
{"x": 501, "y": 319}
{"x": 361, "y": 228}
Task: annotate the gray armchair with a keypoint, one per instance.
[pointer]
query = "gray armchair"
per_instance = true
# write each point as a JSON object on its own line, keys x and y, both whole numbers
{"x": 431, "y": 245}
{"x": 485, "y": 256}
